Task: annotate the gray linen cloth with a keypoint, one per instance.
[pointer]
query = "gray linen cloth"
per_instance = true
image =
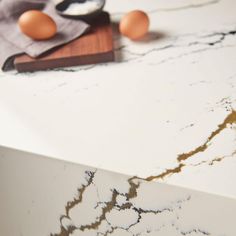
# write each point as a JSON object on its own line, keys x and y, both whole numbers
{"x": 13, "y": 42}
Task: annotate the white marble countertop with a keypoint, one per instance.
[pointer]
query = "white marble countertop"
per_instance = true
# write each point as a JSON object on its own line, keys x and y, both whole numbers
{"x": 164, "y": 111}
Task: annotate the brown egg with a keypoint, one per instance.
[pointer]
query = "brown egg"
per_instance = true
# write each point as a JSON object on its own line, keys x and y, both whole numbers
{"x": 134, "y": 24}
{"x": 37, "y": 25}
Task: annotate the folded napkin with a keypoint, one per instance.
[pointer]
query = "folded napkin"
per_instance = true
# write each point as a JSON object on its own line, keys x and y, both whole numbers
{"x": 13, "y": 42}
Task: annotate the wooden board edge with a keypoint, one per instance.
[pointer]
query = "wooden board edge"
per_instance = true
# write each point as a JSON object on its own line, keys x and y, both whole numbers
{"x": 66, "y": 62}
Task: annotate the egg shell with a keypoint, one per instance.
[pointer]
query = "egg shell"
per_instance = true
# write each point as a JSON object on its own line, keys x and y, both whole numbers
{"x": 37, "y": 25}
{"x": 134, "y": 24}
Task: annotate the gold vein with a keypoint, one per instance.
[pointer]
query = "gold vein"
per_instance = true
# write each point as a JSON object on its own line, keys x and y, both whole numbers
{"x": 167, "y": 172}
{"x": 133, "y": 188}
{"x": 79, "y": 199}
{"x": 72, "y": 204}
{"x": 217, "y": 159}
{"x": 65, "y": 232}
{"x": 230, "y": 119}
{"x": 109, "y": 206}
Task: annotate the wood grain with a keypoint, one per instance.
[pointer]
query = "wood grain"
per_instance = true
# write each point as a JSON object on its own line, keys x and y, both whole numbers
{"x": 96, "y": 46}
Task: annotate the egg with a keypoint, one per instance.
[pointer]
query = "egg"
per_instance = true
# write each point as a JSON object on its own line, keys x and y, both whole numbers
{"x": 37, "y": 25}
{"x": 134, "y": 24}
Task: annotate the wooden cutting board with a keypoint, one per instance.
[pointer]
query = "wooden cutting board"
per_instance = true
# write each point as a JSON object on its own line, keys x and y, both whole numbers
{"x": 96, "y": 46}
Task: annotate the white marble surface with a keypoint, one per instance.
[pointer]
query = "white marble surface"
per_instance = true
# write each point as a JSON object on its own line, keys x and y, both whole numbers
{"x": 172, "y": 93}
{"x": 45, "y": 197}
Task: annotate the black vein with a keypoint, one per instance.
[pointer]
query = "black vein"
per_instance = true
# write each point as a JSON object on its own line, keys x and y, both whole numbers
{"x": 176, "y": 44}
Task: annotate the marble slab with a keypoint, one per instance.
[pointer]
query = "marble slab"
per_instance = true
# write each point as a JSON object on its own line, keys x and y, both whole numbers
{"x": 43, "y": 196}
{"x": 167, "y": 103}
{"x": 165, "y": 112}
